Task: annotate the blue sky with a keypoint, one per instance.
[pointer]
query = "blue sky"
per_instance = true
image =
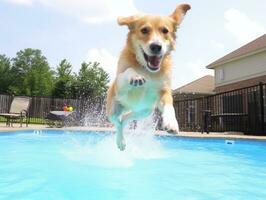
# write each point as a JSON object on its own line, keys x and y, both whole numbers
{"x": 86, "y": 30}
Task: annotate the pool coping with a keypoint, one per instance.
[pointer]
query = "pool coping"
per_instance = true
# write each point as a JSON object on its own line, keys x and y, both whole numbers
{"x": 211, "y": 135}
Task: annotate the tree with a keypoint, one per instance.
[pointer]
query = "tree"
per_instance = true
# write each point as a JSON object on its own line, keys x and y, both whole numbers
{"x": 64, "y": 80}
{"x": 91, "y": 80}
{"x": 33, "y": 74}
{"x": 6, "y": 77}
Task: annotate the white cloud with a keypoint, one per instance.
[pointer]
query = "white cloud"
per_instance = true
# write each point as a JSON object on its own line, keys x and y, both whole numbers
{"x": 20, "y": 2}
{"x": 243, "y": 28}
{"x": 217, "y": 44}
{"x": 106, "y": 59}
{"x": 197, "y": 68}
{"x": 89, "y": 11}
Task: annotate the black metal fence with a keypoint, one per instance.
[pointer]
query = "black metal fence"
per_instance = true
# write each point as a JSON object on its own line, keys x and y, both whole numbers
{"x": 241, "y": 110}
{"x": 238, "y": 110}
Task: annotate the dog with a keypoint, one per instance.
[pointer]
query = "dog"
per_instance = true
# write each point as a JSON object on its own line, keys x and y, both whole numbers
{"x": 143, "y": 78}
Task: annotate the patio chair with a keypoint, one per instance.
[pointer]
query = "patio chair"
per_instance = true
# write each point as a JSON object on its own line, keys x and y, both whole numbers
{"x": 18, "y": 110}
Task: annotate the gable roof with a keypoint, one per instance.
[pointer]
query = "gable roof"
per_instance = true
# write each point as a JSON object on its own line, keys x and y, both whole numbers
{"x": 203, "y": 85}
{"x": 253, "y": 47}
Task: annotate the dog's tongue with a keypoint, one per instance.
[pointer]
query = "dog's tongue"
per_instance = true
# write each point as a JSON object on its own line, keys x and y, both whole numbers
{"x": 154, "y": 61}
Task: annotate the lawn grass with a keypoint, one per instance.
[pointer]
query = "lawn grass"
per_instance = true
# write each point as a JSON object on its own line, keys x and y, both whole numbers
{"x": 33, "y": 120}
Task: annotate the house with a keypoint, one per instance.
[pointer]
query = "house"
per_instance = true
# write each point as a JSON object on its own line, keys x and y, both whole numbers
{"x": 188, "y": 101}
{"x": 201, "y": 87}
{"x": 240, "y": 96}
{"x": 244, "y": 67}
{"x": 234, "y": 99}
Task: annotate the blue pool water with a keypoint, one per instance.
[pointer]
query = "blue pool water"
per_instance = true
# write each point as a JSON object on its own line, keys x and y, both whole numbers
{"x": 57, "y": 165}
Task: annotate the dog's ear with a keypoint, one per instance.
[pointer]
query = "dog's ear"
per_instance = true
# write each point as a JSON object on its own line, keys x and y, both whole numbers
{"x": 129, "y": 21}
{"x": 179, "y": 13}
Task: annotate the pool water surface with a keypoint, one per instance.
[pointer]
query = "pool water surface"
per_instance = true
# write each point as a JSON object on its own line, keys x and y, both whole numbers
{"x": 55, "y": 165}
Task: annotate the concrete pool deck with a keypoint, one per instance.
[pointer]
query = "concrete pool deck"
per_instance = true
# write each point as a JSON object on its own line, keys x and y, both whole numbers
{"x": 223, "y": 135}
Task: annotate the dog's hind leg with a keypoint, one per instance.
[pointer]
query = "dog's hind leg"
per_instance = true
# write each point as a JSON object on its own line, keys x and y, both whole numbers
{"x": 121, "y": 123}
{"x": 120, "y": 140}
{"x": 119, "y": 119}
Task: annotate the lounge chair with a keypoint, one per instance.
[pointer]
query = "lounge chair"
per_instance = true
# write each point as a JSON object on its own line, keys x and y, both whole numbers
{"x": 18, "y": 110}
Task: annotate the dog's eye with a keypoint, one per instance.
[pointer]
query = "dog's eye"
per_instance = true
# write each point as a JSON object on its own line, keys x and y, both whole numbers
{"x": 144, "y": 30}
{"x": 165, "y": 30}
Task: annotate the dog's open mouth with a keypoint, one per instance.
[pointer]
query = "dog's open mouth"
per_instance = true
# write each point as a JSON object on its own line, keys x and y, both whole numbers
{"x": 153, "y": 62}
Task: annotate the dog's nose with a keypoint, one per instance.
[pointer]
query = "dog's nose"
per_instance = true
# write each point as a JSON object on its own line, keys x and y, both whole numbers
{"x": 155, "y": 48}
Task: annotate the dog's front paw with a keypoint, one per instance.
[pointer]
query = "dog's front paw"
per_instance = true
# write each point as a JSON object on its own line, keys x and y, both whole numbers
{"x": 171, "y": 125}
{"x": 169, "y": 120}
{"x": 137, "y": 81}
{"x": 120, "y": 142}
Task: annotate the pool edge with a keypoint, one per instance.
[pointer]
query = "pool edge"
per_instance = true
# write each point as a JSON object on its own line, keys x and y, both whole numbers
{"x": 224, "y": 135}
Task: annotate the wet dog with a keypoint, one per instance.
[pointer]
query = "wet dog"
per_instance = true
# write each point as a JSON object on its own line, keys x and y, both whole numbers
{"x": 143, "y": 79}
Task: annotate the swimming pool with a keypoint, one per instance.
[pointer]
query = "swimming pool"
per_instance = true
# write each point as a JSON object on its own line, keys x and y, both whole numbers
{"x": 44, "y": 165}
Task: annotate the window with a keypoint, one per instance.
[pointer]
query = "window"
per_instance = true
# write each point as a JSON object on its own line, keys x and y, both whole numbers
{"x": 221, "y": 74}
{"x": 191, "y": 111}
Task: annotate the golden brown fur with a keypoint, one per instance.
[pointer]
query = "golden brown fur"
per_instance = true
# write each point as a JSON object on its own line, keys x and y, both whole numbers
{"x": 125, "y": 102}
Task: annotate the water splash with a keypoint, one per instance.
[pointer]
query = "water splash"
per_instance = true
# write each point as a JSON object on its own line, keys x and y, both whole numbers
{"x": 95, "y": 113}
{"x": 141, "y": 145}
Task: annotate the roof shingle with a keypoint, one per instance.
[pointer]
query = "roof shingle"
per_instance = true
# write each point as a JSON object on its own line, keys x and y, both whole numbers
{"x": 203, "y": 85}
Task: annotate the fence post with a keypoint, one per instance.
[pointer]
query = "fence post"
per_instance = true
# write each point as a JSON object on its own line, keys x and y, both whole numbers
{"x": 261, "y": 106}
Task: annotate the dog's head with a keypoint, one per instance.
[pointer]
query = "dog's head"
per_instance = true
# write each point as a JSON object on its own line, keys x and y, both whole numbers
{"x": 152, "y": 37}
